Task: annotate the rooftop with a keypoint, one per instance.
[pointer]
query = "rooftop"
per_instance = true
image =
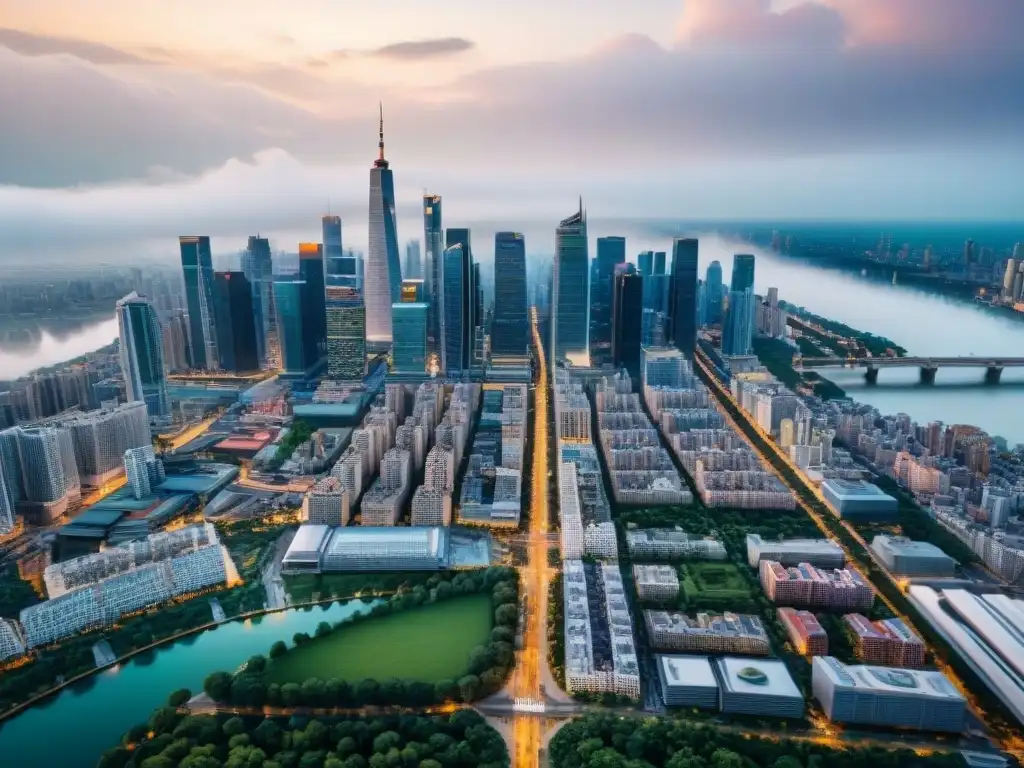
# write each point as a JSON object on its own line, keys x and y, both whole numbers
{"x": 687, "y": 670}
{"x": 854, "y": 489}
{"x": 756, "y": 677}
{"x": 887, "y": 680}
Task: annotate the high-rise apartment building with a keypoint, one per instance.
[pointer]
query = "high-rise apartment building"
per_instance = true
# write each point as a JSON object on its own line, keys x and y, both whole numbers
{"x": 100, "y": 438}
{"x": 456, "y": 345}
{"x": 44, "y": 459}
{"x": 738, "y": 325}
{"x": 346, "y": 333}
{"x": 6, "y": 500}
{"x": 142, "y": 354}
{"x": 197, "y": 268}
{"x": 659, "y": 262}
{"x": 236, "y": 322}
{"x": 683, "y": 295}
{"x": 433, "y": 239}
{"x": 644, "y": 262}
{"x": 258, "y": 268}
{"x": 627, "y": 312}
{"x": 509, "y": 329}
{"x": 383, "y": 265}
{"x": 144, "y": 470}
{"x": 569, "y": 317}
{"x": 611, "y": 251}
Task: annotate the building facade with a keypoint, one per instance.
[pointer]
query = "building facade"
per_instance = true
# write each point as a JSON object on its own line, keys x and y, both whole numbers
{"x": 510, "y": 329}
{"x": 611, "y": 251}
{"x": 683, "y": 295}
{"x": 569, "y": 316}
{"x": 142, "y": 354}
{"x": 383, "y": 264}
{"x": 346, "y": 333}
{"x": 236, "y": 322}
{"x": 197, "y": 267}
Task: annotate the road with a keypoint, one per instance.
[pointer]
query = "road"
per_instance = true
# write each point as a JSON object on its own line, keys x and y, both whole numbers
{"x": 534, "y": 576}
{"x": 804, "y": 489}
{"x": 190, "y": 433}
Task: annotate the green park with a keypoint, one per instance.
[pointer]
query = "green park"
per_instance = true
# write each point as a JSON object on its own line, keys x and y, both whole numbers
{"x": 425, "y": 644}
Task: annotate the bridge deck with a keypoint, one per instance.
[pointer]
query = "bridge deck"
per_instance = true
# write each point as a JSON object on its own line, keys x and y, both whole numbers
{"x": 893, "y": 362}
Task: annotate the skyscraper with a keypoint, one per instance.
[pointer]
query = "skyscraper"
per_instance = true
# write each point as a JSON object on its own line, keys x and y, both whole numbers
{"x": 659, "y": 262}
{"x": 6, "y": 500}
{"x": 383, "y": 267}
{"x": 142, "y": 354}
{"x": 46, "y": 465}
{"x": 236, "y": 322}
{"x": 683, "y": 294}
{"x": 433, "y": 239}
{"x": 570, "y": 290}
{"x": 311, "y": 270}
{"x": 610, "y": 252}
{"x": 334, "y": 254}
{"x": 713, "y": 294}
{"x": 456, "y": 346}
{"x": 409, "y": 350}
{"x": 346, "y": 333}
{"x": 197, "y": 266}
{"x": 413, "y": 265}
{"x": 258, "y": 268}
{"x": 627, "y": 315}
{"x": 413, "y": 290}
{"x": 509, "y": 329}
{"x": 738, "y": 325}
{"x": 644, "y": 261}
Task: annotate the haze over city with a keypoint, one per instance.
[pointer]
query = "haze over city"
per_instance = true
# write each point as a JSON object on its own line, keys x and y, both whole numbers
{"x": 243, "y": 116}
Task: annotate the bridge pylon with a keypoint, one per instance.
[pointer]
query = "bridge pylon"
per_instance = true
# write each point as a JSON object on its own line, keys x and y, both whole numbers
{"x": 928, "y": 373}
{"x": 871, "y": 374}
{"x": 993, "y": 374}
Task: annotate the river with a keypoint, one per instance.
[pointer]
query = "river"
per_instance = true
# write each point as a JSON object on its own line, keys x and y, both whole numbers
{"x": 44, "y": 347}
{"x": 923, "y": 323}
{"x": 74, "y": 728}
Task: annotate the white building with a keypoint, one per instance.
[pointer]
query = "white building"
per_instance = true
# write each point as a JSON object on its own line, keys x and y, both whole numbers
{"x": 431, "y": 507}
{"x": 823, "y": 553}
{"x": 571, "y": 520}
{"x": 11, "y": 642}
{"x": 104, "y": 602}
{"x": 900, "y": 698}
{"x": 687, "y": 681}
{"x": 585, "y": 671}
{"x": 101, "y": 438}
{"x": 656, "y": 582}
{"x": 326, "y": 503}
{"x": 912, "y": 558}
{"x": 143, "y": 470}
{"x": 672, "y": 544}
{"x": 757, "y": 687}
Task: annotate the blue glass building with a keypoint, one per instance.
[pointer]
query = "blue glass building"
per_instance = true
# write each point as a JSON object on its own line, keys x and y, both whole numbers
{"x": 738, "y": 325}
{"x": 456, "y": 346}
{"x": 569, "y": 316}
{"x": 712, "y": 313}
{"x": 610, "y": 252}
{"x": 197, "y": 266}
{"x": 383, "y": 276}
{"x": 142, "y": 354}
{"x": 433, "y": 265}
{"x": 236, "y": 322}
{"x": 683, "y": 296}
{"x": 409, "y": 348}
{"x": 258, "y": 268}
{"x": 510, "y": 330}
{"x": 346, "y": 333}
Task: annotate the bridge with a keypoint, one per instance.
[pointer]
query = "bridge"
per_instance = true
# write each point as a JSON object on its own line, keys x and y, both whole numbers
{"x": 928, "y": 365}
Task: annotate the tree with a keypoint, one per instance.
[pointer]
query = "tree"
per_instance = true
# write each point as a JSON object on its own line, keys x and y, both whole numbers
{"x": 443, "y": 591}
{"x": 430, "y": 763}
{"x": 469, "y": 687}
{"x": 726, "y": 758}
{"x": 179, "y": 698}
{"x": 313, "y": 692}
{"x": 268, "y": 734}
{"x": 386, "y": 741}
{"x": 233, "y": 727}
{"x": 445, "y": 690}
{"x": 506, "y": 615}
{"x": 323, "y": 629}
{"x": 686, "y": 758}
{"x": 203, "y": 761}
{"x": 291, "y": 694}
{"x": 346, "y": 746}
{"x": 787, "y": 761}
{"x": 480, "y": 658}
{"x": 300, "y": 638}
{"x": 217, "y": 686}
{"x": 256, "y": 664}
{"x": 278, "y": 649}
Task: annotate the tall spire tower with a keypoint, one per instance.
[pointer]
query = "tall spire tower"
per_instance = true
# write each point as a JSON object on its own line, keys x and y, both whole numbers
{"x": 383, "y": 279}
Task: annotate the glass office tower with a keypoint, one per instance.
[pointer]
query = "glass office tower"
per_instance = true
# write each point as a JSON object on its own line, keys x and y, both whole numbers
{"x": 611, "y": 251}
{"x": 383, "y": 266}
{"x": 236, "y": 322}
{"x": 142, "y": 354}
{"x": 456, "y": 344}
{"x": 346, "y": 333}
{"x": 433, "y": 266}
{"x": 738, "y": 326}
{"x": 197, "y": 266}
{"x": 258, "y": 268}
{"x": 683, "y": 296}
{"x": 569, "y": 316}
{"x": 510, "y": 329}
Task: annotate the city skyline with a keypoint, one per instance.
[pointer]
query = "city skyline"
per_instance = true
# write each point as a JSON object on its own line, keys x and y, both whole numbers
{"x": 310, "y": 103}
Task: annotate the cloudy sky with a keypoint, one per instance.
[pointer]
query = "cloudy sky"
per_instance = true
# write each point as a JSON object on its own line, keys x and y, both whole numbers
{"x": 128, "y": 122}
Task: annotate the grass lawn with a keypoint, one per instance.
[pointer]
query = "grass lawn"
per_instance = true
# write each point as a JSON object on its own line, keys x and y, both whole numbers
{"x": 426, "y": 644}
{"x": 715, "y": 586}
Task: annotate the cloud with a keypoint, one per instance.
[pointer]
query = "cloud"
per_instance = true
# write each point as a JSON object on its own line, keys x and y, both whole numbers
{"x": 28, "y": 44}
{"x": 412, "y": 50}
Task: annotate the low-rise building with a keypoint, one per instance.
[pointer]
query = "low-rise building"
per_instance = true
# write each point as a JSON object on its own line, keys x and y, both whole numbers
{"x": 708, "y": 633}
{"x": 321, "y": 548}
{"x": 672, "y": 544}
{"x": 656, "y": 582}
{"x": 859, "y": 500}
{"x": 804, "y": 631}
{"x": 804, "y": 586}
{"x": 757, "y": 687}
{"x": 823, "y": 553}
{"x": 600, "y": 654}
{"x": 885, "y": 696}
{"x": 687, "y": 681}
{"x": 904, "y": 557}
{"x": 889, "y": 641}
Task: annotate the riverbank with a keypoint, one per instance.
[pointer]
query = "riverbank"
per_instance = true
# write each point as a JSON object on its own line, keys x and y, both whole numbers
{"x": 158, "y": 644}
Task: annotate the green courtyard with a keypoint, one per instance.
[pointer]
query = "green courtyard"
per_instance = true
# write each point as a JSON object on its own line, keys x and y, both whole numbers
{"x": 425, "y": 644}
{"x": 714, "y": 586}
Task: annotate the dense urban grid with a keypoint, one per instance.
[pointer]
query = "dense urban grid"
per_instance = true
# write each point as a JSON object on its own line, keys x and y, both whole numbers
{"x": 634, "y": 471}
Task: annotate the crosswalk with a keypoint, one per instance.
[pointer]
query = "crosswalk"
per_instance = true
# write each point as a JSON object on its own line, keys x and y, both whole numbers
{"x": 523, "y": 704}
